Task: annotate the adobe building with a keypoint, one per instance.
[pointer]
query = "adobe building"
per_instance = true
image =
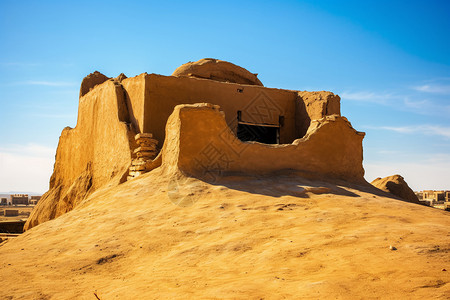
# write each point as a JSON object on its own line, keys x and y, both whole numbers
{"x": 435, "y": 197}
{"x": 19, "y": 199}
{"x": 4, "y": 201}
{"x": 34, "y": 200}
{"x": 208, "y": 119}
{"x": 11, "y": 213}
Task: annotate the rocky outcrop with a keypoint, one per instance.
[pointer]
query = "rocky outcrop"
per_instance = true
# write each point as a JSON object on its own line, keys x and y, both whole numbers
{"x": 94, "y": 154}
{"x": 219, "y": 70}
{"x": 397, "y": 186}
{"x": 90, "y": 81}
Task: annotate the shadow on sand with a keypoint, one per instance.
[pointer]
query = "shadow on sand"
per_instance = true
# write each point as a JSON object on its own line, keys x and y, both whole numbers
{"x": 286, "y": 183}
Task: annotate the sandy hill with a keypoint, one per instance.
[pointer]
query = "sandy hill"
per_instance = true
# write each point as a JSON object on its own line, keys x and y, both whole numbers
{"x": 171, "y": 237}
{"x": 224, "y": 210}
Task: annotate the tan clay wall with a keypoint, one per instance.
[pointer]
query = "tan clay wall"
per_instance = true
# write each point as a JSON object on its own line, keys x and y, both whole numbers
{"x": 258, "y": 104}
{"x": 201, "y": 144}
{"x": 313, "y": 106}
{"x": 134, "y": 90}
{"x": 94, "y": 153}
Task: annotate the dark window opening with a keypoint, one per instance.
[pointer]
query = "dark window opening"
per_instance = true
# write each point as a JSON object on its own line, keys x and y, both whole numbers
{"x": 262, "y": 134}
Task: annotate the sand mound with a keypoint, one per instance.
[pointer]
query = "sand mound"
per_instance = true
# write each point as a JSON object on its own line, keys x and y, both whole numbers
{"x": 397, "y": 186}
{"x": 167, "y": 236}
{"x": 218, "y": 70}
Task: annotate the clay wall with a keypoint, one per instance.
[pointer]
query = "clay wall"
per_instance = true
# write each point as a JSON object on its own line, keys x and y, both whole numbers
{"x": 99, "y": 138}
{"x": 98, "y": 151}
{"x": 151, "y": 99}
{"x": 257, "y": 104}
{"x": 313, "y": 106}
{"x": 202, "y": 145}
{"x": 135, "y": 95}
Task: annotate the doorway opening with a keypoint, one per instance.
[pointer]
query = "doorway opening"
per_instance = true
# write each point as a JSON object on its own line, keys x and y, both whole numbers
{"x": 258, "y": 133}
{"x": 262, "y": 133}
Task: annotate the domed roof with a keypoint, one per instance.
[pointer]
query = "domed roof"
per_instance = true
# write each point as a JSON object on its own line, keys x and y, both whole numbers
{"x": 219, "y": 70}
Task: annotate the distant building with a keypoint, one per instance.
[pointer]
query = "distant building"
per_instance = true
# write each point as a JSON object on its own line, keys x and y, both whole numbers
{"x": 19, "y": 199}
{"x": 437, "y": 199}
{"x": 11, "y": 212}
{"x": 34, "y": 200}
{"x": 436, "y": 196}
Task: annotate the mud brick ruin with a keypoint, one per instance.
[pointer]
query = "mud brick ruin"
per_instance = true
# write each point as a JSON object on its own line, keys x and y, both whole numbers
{"x": 211, "y": 117}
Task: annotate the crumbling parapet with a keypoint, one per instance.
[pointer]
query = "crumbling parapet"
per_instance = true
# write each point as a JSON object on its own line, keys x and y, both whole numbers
{"x": 90, "y": 81}
{"x": 145, "y": 152}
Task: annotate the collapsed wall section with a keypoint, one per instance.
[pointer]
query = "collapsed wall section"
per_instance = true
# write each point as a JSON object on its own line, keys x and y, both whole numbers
{"x": 97, "y": 152}
{"x": 313, "y": 106}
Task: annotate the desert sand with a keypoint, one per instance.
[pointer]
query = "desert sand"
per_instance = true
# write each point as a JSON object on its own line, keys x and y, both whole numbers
{"x": 171, "y": 237}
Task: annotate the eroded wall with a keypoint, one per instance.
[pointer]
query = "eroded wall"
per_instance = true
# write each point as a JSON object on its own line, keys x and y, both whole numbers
{"x": 314, "y": 106}
{"x": 97, "y": 152}
{"x": 135, "y": 99}
{"x": 152, "y": 97}
{"x": 201, "y": 144}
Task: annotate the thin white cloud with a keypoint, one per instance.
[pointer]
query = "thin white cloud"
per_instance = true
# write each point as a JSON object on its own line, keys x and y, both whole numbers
{"x": 405, "y": 101}
{"x": 417, "y": 129}
{"x": 366, "y": 96}
{"x": 390, "y": 152}
{"x": 433, "y": 88}
{"x": 417, "y": 104}
{"x": 49, "y": 83}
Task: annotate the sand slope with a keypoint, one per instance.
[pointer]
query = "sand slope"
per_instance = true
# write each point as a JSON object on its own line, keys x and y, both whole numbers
{"x": 248, "y": 238}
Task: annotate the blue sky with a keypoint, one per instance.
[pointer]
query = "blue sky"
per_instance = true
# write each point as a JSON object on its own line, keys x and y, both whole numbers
{"x": 388, "y": 60}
